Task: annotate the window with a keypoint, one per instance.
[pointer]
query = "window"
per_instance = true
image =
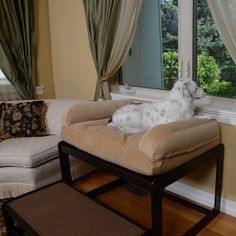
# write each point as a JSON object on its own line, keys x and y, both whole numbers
{"x": 155, "y": 42}
{"x": 164, "y": 43}
{"x": 216, "y": 71}
{"x": 7, "y": 91}
{"x": 1, "y": 75}
{"x": 2, "y": 78}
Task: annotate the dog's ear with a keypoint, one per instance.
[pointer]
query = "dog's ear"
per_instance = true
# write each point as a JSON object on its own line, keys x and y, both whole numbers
{"x": 186, "y": 93}
{"x": 189, "y": 83}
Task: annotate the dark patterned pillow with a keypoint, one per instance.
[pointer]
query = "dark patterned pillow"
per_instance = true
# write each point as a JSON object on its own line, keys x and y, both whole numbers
{"x": 2, "y": 110}
{"x": 24, "y": 119}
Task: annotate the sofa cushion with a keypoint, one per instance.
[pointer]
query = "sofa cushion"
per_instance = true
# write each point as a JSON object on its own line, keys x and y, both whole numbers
{"x": 23, "y": 119}
{"x": 15, "y": 181}
{"x": 159, "y": 150}
{"x": 28, "y": 151}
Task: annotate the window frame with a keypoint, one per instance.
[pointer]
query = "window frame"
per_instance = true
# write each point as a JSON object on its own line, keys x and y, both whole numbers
{"x": 221, "y": 108}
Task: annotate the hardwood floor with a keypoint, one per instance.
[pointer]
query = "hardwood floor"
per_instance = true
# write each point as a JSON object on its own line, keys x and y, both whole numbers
{"x": 177, "y": 219}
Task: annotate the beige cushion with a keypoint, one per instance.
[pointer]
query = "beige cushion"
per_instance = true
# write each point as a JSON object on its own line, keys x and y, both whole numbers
{"x": 160, "y": 149}
{"x": 180, "y": 137}
{"x": 93, "y": 110}
{"x": 28, "y": 151}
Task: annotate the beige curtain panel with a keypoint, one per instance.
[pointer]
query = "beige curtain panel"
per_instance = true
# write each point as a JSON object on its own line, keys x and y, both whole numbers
{"x": 224, "y": 15}
{"x": 111, "y": 27}
{"x": 126, "y": 28}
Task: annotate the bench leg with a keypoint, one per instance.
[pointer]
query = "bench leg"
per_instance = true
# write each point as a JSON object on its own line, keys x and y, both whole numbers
{"x": 219, "y": 179}
{"x": 158, "y": 193}
{"x": 156, "y": 212}
{"x": 65, "y": 165}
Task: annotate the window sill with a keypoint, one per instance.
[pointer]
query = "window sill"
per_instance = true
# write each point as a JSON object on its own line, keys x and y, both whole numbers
{"x": 222, "y": 109}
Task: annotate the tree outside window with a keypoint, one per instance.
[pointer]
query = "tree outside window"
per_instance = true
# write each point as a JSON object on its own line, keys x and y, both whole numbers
{"x": 216, "y": 71}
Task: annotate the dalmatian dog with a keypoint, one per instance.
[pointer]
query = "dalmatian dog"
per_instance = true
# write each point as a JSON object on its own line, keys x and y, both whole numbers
{"x": 135, "y": 118}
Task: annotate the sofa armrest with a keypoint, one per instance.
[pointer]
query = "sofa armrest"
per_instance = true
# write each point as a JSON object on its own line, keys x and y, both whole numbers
{"x": 57, "y": 108}
{"x": 180, "y": 137}
{"x": 93, "y": 110}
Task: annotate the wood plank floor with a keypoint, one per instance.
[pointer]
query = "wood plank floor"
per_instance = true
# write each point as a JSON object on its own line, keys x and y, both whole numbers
{"x": 177, "y": 219}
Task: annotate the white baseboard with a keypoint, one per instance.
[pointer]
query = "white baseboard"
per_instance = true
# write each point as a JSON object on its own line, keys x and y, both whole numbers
{"x": 205, "y": 198}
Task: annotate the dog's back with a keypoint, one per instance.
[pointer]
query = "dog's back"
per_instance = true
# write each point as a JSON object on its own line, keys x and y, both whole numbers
{"x": 128, "y": 119}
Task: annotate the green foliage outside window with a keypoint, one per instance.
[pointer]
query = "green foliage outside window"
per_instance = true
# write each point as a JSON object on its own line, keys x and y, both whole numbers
{"x": 216, "y": 71}
{"x": 170, "y": 69}
{"x": 208, "y": 74}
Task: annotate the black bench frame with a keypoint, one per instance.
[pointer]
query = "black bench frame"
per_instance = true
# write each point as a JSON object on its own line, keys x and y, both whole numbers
{"x": 154, "y": 184}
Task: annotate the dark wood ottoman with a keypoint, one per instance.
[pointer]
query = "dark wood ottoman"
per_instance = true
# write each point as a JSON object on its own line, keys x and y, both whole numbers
{"x": 62, "y": 210}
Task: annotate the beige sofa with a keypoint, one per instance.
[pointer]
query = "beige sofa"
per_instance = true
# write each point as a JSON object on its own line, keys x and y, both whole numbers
{"x": 31, "y": 162}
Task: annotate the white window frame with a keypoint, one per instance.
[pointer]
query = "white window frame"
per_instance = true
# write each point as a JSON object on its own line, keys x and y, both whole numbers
{"x": 223, "y": 109}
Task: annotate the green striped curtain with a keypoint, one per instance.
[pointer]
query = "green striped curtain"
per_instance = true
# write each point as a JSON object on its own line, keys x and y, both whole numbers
{"x": 17, "y": 45}
{"x": 101, "y": 17}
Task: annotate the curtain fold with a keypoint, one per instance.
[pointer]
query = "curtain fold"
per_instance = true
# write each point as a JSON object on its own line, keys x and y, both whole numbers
{"x": 17, "y": 45}
{"x": 111, "y": 27}
{"x": 224, "y": 16}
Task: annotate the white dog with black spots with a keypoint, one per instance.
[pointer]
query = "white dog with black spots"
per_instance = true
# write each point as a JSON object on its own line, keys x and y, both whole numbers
{"x": 135, "y": 118}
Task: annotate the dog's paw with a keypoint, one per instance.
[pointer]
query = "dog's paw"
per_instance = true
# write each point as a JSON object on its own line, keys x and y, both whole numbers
{"x": 111, "y": 124}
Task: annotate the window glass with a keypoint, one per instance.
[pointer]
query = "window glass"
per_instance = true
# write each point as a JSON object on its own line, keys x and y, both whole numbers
{"x": 216, "y": 71}
{"x": 3, "y": 79}
{"x": 152, "y": 61}
{"x": 2, "y": 75}
{"x": 7, "y": 91}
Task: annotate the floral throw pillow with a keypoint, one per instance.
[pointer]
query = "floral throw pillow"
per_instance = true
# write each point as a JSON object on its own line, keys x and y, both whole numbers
{"x": 23, "y": 119}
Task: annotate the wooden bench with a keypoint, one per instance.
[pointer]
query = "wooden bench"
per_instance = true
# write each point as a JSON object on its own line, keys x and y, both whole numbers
{"x": 154, "y": 184}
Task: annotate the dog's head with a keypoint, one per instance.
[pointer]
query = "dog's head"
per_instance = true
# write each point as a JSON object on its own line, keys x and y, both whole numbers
{"x": 188, "y": 89}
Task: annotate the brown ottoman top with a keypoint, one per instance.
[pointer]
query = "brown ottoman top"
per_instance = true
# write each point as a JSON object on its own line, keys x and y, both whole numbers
{"x": 60, "y": 210}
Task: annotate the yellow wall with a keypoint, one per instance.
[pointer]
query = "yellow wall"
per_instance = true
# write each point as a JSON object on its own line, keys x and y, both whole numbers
{"x": 204, "y": 177}
{"x": 44, "y": 60}
{"x": 73, "y": 67}
{"x": 75, "y": 76}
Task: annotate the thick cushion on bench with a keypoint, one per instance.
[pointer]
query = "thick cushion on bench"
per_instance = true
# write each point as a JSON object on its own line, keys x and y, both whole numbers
{"x": 93, "y": 110}
{"x": 159, "y": 150}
